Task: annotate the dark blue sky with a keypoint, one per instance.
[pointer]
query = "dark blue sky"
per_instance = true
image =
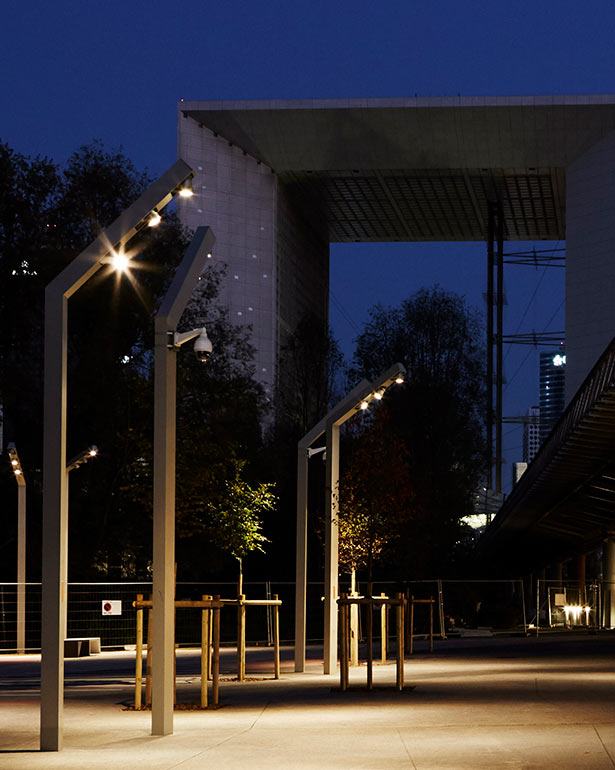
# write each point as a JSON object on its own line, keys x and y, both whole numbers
{"x": 76, "y": 71}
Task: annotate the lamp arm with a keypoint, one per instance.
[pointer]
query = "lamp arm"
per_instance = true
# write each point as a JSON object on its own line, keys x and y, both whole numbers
{"x": 177, "y": 339}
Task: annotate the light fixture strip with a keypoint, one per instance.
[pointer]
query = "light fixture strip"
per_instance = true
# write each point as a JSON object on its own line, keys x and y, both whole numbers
{"x": 82, "y": 457}
{"x": 15, "y": 463}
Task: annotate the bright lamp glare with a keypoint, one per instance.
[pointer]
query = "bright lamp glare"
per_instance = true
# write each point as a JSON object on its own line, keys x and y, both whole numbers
{"x": 14, "y": 462}
{"x": 154, "y": 219}
{"x": 120, "y": 262}
{"x": 17, "y": 472}
{"x": 364, "y": 405}
{"x": 399, "y": 379}
{"x": 186, "y": 190}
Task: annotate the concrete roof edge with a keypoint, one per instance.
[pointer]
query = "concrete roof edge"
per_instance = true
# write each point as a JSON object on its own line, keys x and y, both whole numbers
{"x": 539, "y": 100}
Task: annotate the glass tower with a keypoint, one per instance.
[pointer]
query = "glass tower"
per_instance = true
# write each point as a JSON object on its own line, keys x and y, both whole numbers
{"x": 551, "y": 389}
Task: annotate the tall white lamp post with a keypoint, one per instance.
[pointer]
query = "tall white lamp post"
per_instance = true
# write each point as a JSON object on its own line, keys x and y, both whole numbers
{"x": 21, "y": 547}
{"x": 166, "y": 344}
{"x": 357, "y": 400}
{"x": 55, "y": 499}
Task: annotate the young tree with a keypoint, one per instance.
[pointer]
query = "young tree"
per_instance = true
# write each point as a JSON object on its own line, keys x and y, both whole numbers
{"x": 375, "y": 497}
{"x": 232, "y": 519}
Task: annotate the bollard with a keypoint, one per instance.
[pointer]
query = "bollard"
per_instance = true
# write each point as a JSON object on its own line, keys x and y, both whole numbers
{"x": 353, "y": 629}
{"x": 383, "y": 629}
{"x": 411, "y": 628}
{"x": 370, "y": 641}
{"x": 204, "y": 652}
{"x": 276, "y": 639}
{"x": 399, "y": 613}
{"x": 148, "y": 665}
{"x": 210, "y": 642}
{"x": 344, "y": 634}
{"x": 215, "y": 669}
{"x": 139, "y": 656}
{"x": 241, "y": 638}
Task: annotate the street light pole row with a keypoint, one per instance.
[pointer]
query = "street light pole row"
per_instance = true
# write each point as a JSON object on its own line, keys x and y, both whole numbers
{"x": 55, "y": 488}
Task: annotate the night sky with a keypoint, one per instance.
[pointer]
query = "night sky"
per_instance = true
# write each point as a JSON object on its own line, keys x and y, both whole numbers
{"x": 77, "y": 71}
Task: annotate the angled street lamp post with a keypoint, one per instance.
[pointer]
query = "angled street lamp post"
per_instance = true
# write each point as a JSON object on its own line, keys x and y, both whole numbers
{"x": 166, "y": 344}
{"x": 55, "y": 500}
{"x": 357, "y": 400}
{"x": 21, "y": 547}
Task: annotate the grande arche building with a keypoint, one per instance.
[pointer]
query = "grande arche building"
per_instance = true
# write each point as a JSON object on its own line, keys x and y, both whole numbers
{"x": 280, "y": 180}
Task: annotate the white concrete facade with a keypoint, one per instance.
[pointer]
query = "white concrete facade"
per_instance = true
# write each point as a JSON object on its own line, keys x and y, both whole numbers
{"x": 590, "y": 259}
{"x": 277, "y": 260}
{"x": 234, "y": 195}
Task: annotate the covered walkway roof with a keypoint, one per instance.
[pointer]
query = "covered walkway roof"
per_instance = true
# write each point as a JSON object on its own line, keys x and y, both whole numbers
{"x": 564, "y": 504}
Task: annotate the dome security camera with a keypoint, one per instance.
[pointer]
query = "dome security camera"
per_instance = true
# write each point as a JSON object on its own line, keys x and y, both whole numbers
{"x": 203, "y": 347}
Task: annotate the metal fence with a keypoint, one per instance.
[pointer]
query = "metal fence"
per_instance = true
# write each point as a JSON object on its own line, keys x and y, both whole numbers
{"x": 87, "y": 616}
{"x": 462, "y": 607}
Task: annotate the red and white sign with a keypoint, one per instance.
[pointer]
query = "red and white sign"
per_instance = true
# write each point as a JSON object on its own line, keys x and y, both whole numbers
{"x": 112, "y": 607}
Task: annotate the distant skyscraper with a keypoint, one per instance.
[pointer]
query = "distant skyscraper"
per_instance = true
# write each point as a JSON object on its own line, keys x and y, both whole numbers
{"x": 531, "y": 434}
{"x": 551, "y": 389}
{"x": 518, "y": 469}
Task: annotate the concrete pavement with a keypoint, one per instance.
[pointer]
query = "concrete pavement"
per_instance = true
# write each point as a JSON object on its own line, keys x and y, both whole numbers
{"x": 531, "y": 704}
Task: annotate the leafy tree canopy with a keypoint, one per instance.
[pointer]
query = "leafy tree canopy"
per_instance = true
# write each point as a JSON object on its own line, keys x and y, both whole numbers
{"x": 47, "y": 216}
{"x": 437, "y": 413}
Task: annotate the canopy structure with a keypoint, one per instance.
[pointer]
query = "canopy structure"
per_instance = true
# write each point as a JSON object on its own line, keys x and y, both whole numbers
{"x": 564, "y": 504}
{"x": 279, "y": 180}
{"x": 420, "y": 169}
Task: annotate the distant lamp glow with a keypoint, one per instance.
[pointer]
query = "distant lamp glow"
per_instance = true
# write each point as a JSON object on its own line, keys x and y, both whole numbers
{"x": 399, "y": 379}
{"x": 364, "y": 405}
{"x": 93, "y": 451}
{"x": 573, "y": 613}
{"x": 379, "y": 394}
{"x": 14, "y": 458}
{"x": 154, "y": 219}
{"x": 186, "y": 190}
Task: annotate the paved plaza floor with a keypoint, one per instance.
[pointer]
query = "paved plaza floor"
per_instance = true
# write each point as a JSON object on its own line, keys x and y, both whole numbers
{"x": 501, "y": 704}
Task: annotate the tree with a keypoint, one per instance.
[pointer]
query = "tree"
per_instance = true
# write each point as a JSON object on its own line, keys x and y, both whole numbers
{"x": 47, "y": 216}
{"x": 438, "y": 413}
{"x": 310, "y": 365}
{"x": 232, "y": 519}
